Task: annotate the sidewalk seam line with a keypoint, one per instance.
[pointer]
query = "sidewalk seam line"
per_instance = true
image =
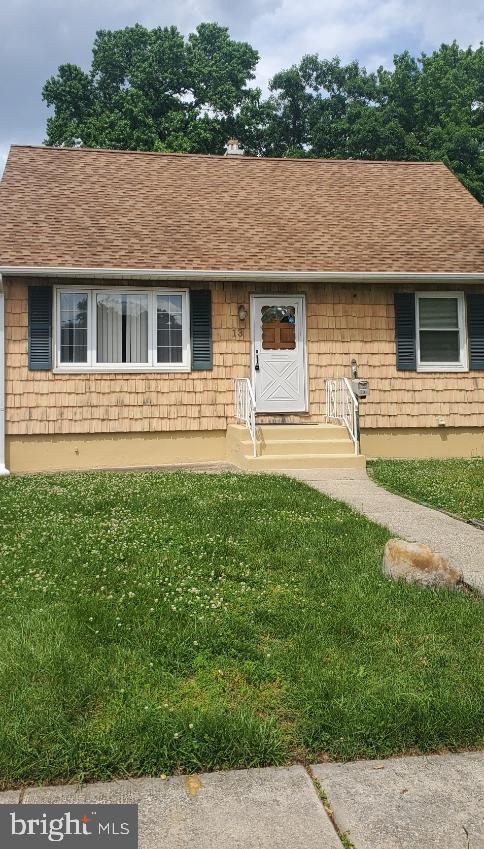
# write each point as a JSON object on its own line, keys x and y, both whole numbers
{"x": 320, "y": 793}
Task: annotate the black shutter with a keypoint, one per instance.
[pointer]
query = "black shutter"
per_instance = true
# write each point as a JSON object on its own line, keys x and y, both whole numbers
{"x": 40, "y": 328}
{"x": 405, "y": 331}
{"x": 201, "y": 328}
{"x": 475, "y": 326}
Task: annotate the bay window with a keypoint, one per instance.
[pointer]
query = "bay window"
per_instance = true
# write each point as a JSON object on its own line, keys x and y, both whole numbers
{"x": 122, "y": 330}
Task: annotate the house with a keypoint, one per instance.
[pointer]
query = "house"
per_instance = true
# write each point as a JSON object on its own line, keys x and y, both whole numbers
{"x": 163, "y": 308}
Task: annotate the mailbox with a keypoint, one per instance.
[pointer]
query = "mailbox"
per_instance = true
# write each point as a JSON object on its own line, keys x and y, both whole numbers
{"x": 360, "y": 387}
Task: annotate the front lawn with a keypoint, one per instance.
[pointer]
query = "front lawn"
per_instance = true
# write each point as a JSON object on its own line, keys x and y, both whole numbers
{"x": 153, "y": 623}
{"x": 454, "y": 485}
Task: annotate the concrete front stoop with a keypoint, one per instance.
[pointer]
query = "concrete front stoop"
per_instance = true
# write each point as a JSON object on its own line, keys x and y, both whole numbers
{"x": 293, "y": 446}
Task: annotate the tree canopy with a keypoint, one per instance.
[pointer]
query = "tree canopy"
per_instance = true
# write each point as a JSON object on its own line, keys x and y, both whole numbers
{"x": 156, "y": 90}
{"x": 152, "y": 90}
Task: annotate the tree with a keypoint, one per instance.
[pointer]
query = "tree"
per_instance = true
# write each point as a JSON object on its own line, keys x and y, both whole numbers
{"x": 422, "y": 109}
{"x": 156, "y": 90}
{"x": 153, "y": 90}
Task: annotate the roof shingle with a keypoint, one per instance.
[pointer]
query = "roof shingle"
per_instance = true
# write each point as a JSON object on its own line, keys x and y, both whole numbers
{"x": 120, "y": 209}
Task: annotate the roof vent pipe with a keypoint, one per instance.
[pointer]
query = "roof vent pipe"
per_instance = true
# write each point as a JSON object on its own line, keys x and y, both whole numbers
{"x": 232, "y": 148}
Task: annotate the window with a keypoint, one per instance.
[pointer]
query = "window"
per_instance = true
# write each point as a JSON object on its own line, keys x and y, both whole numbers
{"x": 73, "y": 327}
{"x": 278, "y": 328}
{"x": 169, "y": 328}
{"x": 441, "y": 342}
{"x": 122, "y": 330}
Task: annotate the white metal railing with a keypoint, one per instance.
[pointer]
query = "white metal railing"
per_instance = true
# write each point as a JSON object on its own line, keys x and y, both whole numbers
{"x": 342, "y": 406}
{"x": 245, "y": 407}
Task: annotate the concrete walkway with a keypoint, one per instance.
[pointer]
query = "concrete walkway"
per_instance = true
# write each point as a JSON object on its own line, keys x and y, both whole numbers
{"x": 409, "y": 803}
{"x": 462, "y": 544}
{"x": 434, "y": 802}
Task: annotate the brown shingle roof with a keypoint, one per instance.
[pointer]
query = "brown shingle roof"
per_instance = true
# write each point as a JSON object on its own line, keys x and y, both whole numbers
{"x": 121, "y": 209}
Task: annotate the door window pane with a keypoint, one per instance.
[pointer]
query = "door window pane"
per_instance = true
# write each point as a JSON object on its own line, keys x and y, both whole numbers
{"x": 73, "y": 327}
{"x": 169, "y": 329}
{"x": 278, "y": 328}
{"x": 122, "y": 328}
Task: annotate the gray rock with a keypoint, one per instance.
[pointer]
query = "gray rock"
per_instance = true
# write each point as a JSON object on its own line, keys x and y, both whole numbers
{"x": 416, "y": 563}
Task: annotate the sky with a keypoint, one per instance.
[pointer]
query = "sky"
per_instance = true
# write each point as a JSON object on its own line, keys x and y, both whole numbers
{"x": 36, "y": 36}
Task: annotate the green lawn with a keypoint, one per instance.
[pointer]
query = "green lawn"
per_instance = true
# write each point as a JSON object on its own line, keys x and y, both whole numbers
{"x": 454, "y": 485}
{"x": 153, "y": 623}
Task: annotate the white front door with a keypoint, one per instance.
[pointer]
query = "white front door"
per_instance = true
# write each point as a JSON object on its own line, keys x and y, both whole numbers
{"x": 279, "y": 353}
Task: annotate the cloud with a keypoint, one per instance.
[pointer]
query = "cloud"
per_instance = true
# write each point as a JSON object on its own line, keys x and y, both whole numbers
{"x": 38, "y": 35}
{"x": 3, "y": 156}
{"x": 360, "y": 29}
{"x": 437, "y": 22}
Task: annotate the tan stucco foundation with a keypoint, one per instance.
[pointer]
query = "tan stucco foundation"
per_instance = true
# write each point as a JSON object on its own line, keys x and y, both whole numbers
{"x": 423, "y": 442}
{"x": 70, "y": 452}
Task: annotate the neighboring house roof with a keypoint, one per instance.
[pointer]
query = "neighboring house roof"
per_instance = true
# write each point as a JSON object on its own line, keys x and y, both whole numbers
{"x": 119, "y": 209}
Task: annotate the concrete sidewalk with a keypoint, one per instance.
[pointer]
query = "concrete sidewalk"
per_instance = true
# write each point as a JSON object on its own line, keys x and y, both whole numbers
{"x": 434, "y": 802}
{"x": 462, "y": 544}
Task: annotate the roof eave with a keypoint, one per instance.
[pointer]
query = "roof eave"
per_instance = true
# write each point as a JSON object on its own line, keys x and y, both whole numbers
{"x": 260, "y": 276}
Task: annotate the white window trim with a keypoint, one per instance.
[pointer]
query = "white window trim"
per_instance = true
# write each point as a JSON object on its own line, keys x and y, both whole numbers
{"x": 463, "y": 364}
{"x": 91, "y": 366}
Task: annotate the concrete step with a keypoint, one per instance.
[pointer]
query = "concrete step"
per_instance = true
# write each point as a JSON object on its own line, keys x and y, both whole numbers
{"x": 302, "y": 461}
{"x": 316, "y": 446}
{"x": 300, "y": 446}
{"x": 302, "y": 431}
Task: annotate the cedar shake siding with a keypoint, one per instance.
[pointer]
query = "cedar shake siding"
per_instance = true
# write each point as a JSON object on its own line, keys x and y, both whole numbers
{"x": 343, "y": 321}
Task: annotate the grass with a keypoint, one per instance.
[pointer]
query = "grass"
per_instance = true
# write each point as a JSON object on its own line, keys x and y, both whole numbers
{"x": 453, "y": 485}
{"x": 156, "y": 623}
